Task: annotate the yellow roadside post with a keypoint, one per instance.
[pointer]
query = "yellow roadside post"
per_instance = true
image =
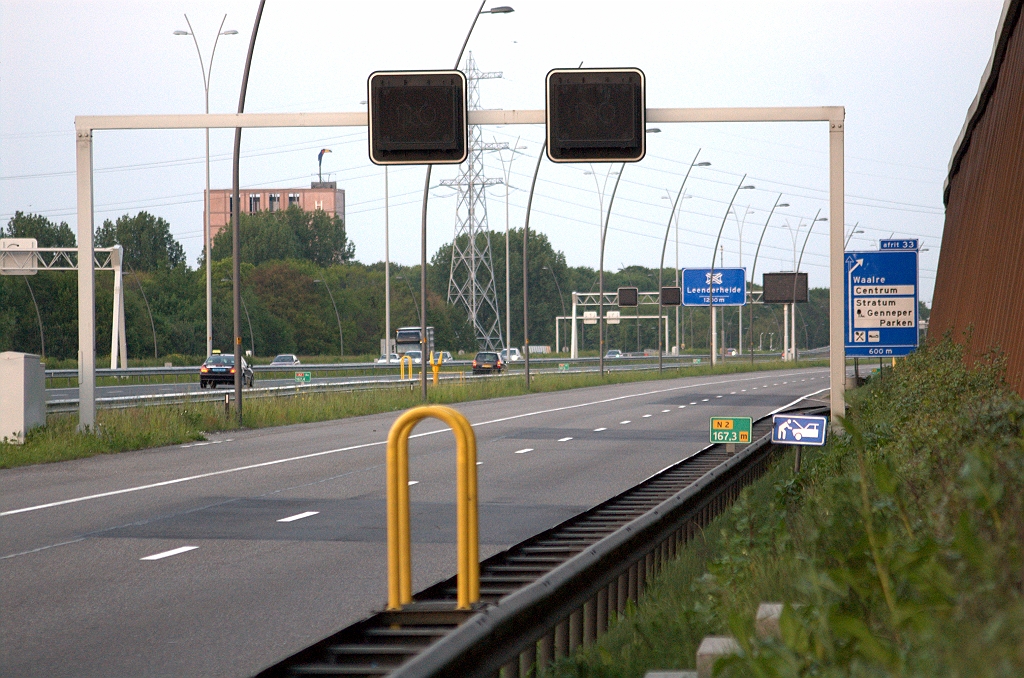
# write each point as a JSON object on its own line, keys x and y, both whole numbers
{"x": 401, "y": 366}
{"x": 436, "y": 365}
{"x": 467, "y": 521}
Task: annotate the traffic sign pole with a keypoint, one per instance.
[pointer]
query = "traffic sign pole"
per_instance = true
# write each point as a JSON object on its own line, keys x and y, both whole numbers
{"x": 837, "y": 218}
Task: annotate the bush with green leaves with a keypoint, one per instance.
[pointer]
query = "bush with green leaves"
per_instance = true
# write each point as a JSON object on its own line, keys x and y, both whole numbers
{"x": 897, "y": 549}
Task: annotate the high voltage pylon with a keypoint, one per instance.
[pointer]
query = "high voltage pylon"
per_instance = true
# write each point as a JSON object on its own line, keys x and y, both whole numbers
{"x": 471, "y": 280}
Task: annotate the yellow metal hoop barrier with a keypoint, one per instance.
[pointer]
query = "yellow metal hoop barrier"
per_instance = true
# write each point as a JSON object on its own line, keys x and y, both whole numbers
{"x": 401, "y": 366}
{"x": 399, "y": 538}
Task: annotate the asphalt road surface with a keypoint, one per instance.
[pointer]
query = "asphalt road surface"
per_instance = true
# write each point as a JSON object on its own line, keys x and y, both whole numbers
{"x": 219, "y": 558}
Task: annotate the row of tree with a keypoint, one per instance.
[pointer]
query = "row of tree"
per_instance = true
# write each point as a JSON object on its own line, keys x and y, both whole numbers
{"x": 294, "y": 261}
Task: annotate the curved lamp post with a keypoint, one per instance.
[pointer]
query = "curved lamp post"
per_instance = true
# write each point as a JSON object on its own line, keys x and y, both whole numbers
{"x": 664, "y": 244}
{"x": 560, "y": 299}
{"x": 810, "y": 228}
{"x": 206, "y": 226}
{"x": 714, "y": 252}
{"x": 341, "y": 339}
{"x": 754, "y": 267}
{"x": 503, "y": 9}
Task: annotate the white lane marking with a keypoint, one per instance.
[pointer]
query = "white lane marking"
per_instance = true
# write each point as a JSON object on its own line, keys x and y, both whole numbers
{"x": 168, "y": 554}
{"x": 663, "y": 411}
{"x": 298, "y": 516}
{"x": 625, "y": 422}
{"x": 479, "y": 463}
{"x": 378, "y": 443}
{"x": 733, "y": 393}
{"x": 705, "y": 400}
{"x": 682, "y": 407}
{"x": 718, "y": 396}
{"x": 200, "y": 444}
{"x": 524, "y": 450}
{"x": 565, "y": 440}
{"x": 598, "y": 430}
{"x": 413, "y": 482}
{"x": 743, "y": 390}
{"x": 646, "y": 415}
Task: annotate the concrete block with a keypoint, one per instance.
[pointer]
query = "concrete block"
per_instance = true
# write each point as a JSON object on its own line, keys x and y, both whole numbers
{"x": 711, "y": 649}
{"x": 22, "y": 395}
{"x": 766, "y": 625}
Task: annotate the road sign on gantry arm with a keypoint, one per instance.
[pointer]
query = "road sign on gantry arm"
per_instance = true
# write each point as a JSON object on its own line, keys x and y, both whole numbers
{"x": 729, "y": 286}
{"x": 628, "y": 296}
{"x": 596, "y": 115}
{"x": 880, "y": 309}
{"x": 417, "y": 117}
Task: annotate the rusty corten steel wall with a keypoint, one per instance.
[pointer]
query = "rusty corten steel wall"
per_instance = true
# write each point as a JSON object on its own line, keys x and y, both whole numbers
{"x": 980, "y": 278}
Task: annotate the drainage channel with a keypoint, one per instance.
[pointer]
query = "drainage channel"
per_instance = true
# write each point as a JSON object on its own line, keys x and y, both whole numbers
{"x": 552, "y": 593}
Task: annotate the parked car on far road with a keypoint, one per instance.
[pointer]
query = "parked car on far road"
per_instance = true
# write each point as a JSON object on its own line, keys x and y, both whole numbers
{"x": 613, "y": 353}
{"x": 285, "y": 360}
{"x": 220, "y": 369}
{"x": 487, "y": 362}
{"x": 510, "y": 355}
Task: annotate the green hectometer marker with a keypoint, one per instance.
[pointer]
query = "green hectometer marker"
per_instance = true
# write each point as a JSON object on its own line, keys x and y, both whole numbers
{"x": 303, "y": 377}
{"x": 730, "y": 429}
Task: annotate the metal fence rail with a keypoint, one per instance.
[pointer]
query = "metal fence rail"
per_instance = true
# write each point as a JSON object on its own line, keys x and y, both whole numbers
{"x": 553, "y": 593}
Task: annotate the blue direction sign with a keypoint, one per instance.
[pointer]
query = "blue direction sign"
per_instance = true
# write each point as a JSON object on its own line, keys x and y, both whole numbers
{"x": 905, "y": 244}
{"x": 790, "y": 430}
{"x": 728, "y": 284}
{"x": 880, "y": 318}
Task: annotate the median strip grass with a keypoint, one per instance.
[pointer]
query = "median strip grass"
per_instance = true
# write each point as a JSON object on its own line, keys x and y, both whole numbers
{"x": 898, "y": 549}
{"x": 144, "y": 427}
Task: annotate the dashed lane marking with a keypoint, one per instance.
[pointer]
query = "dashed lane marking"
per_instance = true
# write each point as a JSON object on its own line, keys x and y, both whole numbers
{"x": 663, "y": 411}
{"x": 298, "y": 516}
{"x": 565, "y": 440}
{"x": 625, "y": 422}
{"x": 598, "y": 430}
{"x": 524, "y": 450}
{"x": 413, "y": 482}
{"x": 168, "y": 554}
{"x": 646, "y": 415}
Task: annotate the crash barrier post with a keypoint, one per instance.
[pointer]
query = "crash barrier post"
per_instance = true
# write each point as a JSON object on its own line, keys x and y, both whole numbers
{"x": 399, "y": 537}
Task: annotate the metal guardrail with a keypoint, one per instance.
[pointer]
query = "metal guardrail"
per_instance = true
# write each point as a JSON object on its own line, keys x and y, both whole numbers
{"x": 563, "y": 366}
{"x": 373, "y": 366}
{"x": 553, "y": 593}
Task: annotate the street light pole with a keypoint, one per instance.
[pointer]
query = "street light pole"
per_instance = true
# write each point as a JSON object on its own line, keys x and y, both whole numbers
{"x": 753, "y": 270}
{"x": 600, "y": 275}
{"x": 664, "y": 244}
{"x": 711, "y": 277}
{"x": 206, "y": 212}
{"x": 423, "y": 216}
{"x": 560, "y": 299}
{"x": 387, "y": 274}
{"x": 740, "y": 223}
{"x": 341, "y": 339}
{"x": 507, "y": 173}
{"x": 797, "y": 272}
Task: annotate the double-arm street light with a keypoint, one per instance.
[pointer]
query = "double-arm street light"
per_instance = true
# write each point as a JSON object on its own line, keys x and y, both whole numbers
{"x": 206, "y": 220}
{"x": 341, "y": 339}
{"x": 664, "y": 244}
{"x": 817, "y": 218}
{"x": 506, "y": 171}
{"x": 852, "y": 232}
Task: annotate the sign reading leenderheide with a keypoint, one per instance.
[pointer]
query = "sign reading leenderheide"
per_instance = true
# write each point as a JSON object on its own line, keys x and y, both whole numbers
{"x": 729, "y": 286}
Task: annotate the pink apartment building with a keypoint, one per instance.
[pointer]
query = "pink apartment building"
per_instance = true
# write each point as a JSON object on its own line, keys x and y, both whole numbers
{"x": 323, "y": 195}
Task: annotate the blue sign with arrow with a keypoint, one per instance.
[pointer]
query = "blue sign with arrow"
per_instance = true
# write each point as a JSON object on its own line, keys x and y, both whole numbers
{"x": 729, "y": 286}
{"x": 793, "y": 430}
{"x": 880, "y": 300}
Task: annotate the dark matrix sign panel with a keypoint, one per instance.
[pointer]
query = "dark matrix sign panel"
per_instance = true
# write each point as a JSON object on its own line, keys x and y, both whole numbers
{"x": 417, "y": 117}
{"x": 778, "y": 288}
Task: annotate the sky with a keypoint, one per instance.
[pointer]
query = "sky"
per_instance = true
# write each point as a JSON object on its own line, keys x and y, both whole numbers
{"x": 906, "y": 72}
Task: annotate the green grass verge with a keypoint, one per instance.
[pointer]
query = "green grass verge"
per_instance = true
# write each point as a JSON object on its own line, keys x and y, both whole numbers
{"x": 898, "y": 549}
{"x": 142, "y": 427}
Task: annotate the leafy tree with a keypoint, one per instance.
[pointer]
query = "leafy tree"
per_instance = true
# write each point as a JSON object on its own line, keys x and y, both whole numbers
{"x": 288, "y": 234}
{"x": 46, "y": 233}
{"x": 146, "y": 239}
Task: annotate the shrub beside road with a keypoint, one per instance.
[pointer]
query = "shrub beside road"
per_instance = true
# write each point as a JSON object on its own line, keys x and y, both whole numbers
{"x": 897, "y": 548}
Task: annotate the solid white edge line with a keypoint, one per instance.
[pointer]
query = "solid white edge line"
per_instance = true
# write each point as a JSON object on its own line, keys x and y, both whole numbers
{"x": 168, "y": 554}
{"x": 312, "y": 455}
{"x": 298, "y": 516}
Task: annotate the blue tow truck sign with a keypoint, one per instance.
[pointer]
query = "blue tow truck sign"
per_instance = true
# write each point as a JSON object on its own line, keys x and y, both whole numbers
{"x": 795, "y": 430}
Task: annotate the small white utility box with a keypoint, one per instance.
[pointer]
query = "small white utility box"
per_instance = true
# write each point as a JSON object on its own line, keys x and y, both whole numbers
{"x": 22, "y": 395}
